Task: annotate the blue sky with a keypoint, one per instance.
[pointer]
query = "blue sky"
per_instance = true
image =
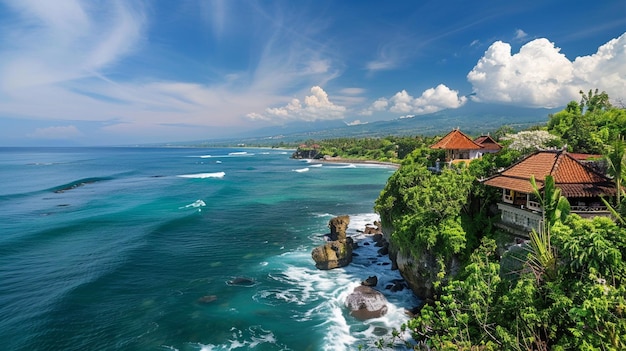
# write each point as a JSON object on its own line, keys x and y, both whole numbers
{"x": 129, "y": 72}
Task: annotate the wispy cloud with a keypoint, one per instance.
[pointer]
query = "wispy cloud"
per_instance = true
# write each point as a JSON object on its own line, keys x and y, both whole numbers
{"x": 56, "y": 133}
{"x": 60, "y": 41}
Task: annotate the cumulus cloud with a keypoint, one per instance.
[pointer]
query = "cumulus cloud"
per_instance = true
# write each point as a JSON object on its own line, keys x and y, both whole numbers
{"x": 316, "y": 106}
{"x": 377, "y": 106}
{"x": 605, "y": 70}
{"x": 431, "y": 100}
{"x": 540, "y": 76}
{"x": 56, "y": 133}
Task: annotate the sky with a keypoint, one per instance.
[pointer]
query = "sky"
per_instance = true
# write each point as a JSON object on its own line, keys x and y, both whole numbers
{"x": 125, "y": 72}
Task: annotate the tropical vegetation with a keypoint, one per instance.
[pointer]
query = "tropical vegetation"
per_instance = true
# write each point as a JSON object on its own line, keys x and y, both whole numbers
{"x": 568, "y": 290}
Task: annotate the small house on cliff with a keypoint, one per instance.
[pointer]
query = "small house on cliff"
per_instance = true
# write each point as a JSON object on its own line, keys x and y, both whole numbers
{"x": 461, "y": 148}
{"x": 579, "y": 183}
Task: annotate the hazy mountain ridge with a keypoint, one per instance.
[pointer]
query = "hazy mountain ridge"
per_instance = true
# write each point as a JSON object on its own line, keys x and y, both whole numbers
{"x": 473, "y": 119}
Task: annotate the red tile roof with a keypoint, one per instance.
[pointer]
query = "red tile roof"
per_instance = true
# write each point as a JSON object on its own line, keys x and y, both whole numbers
{"x": 456, "y": 140}
{"x": 570, "y": 175}
{"x": 488, "y": 143}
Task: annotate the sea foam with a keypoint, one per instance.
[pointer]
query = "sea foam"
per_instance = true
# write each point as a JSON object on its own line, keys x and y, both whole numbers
{"x": 203, "y": 175}
{"x": 196, "y": 204}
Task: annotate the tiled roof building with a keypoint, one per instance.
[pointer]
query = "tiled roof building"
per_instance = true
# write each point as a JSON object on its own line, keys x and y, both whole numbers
{"x": 460, "y": 147}
{"x": 488, "y": 143}
{"x": 579, "y": 183}
{"x": 574, "y": 178}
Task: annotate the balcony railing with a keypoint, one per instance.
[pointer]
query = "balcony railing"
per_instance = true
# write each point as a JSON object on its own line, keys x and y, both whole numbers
{"x": 519, "y": 217}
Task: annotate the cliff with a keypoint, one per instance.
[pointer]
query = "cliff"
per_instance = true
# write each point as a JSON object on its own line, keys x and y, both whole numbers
{"x": 420, "y": 269}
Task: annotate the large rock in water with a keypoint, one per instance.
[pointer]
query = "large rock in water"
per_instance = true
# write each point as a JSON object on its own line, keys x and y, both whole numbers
{"x": 365, "y": 302}
{"x": 338, "y": 227}
{"x": 337, "y": 252}
{"x": 333, "y": 254}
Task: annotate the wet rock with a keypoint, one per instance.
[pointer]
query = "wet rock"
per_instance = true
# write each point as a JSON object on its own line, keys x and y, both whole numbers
{"x": 365, "y": 303}
{"x": 338, "y": 227}
{"x": 333, "y": 254}
{"x": 338, "y": 251}
{"x": 370, "y": 281}
{"x": 241, "y": 281}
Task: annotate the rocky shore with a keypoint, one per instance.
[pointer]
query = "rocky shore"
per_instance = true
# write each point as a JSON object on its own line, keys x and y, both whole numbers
{"x": 367, "y": 300}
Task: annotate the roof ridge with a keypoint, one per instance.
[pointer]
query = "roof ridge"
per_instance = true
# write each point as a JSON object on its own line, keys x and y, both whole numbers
{"x": 557, "y": 162}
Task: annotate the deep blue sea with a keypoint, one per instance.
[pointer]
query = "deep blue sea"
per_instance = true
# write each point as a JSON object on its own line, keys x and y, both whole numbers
{"x": 137, "y": 249}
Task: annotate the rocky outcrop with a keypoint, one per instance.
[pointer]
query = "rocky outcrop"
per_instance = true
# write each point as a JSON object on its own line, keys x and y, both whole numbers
{"x": 306, "y": 153}
{"x": 338, "y": 227}
{"x": 365, "y": 302}
{"x": 333, "y": 254}
{"x": 337, "y": 252}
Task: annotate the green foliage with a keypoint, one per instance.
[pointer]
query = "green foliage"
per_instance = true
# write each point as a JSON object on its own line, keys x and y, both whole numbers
{"x": 590, "y": 124}
{"x": 424, "y": 208}
{"x": 465, "y": 309}
{"x": 597, "y": 245}
{"x": 616, "y": 160}
{"x": 387, "y": 149}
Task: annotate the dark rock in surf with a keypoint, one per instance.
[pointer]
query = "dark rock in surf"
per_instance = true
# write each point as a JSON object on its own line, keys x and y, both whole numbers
{"x": 241, "y": 281}
{"x": 370, "y": 281}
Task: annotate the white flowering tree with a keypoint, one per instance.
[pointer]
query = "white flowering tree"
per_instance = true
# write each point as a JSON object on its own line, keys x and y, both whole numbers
{"x": 531, "y": 140}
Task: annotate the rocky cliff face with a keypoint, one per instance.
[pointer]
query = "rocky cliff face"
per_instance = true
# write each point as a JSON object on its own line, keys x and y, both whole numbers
{"x": 419, "y": 269}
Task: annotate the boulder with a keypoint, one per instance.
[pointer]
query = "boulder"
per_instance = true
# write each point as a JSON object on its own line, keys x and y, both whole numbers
{"x": 365, "y": 302}
{"x": 333, "y": 254}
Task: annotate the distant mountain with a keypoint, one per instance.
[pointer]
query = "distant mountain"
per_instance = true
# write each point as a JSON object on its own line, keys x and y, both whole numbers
{"x": 472, "y": 118}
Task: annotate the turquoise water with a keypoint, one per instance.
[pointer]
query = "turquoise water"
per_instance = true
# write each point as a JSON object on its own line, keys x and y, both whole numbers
{"x": 136, "y": 249}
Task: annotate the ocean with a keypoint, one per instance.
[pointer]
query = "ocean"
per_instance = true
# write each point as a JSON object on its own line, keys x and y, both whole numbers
{"x": 183, "y": 249}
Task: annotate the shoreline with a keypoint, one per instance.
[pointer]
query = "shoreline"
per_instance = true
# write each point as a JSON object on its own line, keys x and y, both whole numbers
{"x": 354, "y": 160}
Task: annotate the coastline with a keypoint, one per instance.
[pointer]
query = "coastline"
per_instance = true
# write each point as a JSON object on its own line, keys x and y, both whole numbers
{"x": 354, "y": 160}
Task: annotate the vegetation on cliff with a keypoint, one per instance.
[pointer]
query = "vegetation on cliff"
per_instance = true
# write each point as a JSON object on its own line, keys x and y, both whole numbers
{"x": 569, "y": 292}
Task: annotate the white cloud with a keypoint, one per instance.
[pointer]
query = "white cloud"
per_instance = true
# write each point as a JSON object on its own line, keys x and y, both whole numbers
{"x": 431, "y": 100}
{"x": 540, "y": 76}
{"x": 520, "y": 34}
{"x": 59, "y": 41}
{"x": 605, "y": 70}
{"x": 56, "y": 133}
{"x": 377, "y": 106}
{"x": 317, "y": 66}
{"x": 356, "y": 122}
{"x": 316, "y": 106}
{"x": 352, "y": 91}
